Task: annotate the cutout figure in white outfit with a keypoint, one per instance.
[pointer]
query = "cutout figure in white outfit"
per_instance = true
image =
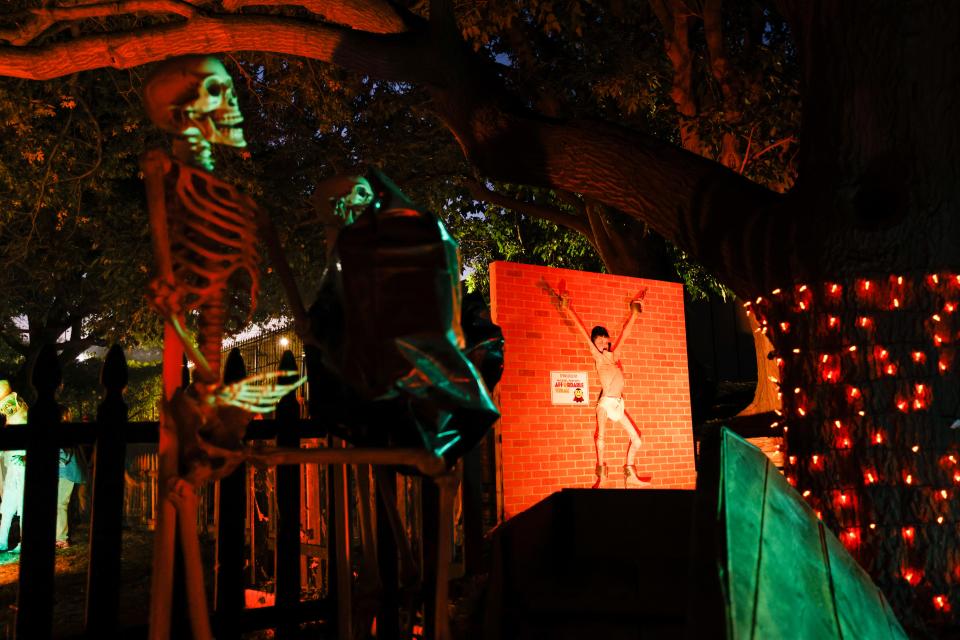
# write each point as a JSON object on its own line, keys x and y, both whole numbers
{"x": 610, "y": 406}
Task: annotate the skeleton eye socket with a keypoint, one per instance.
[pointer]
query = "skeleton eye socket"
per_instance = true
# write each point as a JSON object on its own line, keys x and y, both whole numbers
{"x": 214, "y": 89}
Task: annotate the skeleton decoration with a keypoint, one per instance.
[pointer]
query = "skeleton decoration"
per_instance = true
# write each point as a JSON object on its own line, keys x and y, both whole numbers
{"x": 204, "y": 235}
{"x": 388, "y": 327}
{"x": 404, "y": 361}
{"x": 393, "y": 344}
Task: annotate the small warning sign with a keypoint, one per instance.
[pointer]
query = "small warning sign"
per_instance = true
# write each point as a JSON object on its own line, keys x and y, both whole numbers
{"x": 569, "y": 387}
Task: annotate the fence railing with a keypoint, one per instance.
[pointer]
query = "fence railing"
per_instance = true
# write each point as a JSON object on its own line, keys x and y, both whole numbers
{"x": 110, "y": 436}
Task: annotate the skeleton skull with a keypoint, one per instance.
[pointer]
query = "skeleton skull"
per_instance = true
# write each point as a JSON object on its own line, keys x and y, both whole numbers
{"x": 353, "y": 203}
{"x": 194, "y": 96}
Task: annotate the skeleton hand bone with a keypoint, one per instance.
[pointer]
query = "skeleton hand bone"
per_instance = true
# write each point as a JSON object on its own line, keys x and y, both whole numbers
{"x": 257, "y": 394}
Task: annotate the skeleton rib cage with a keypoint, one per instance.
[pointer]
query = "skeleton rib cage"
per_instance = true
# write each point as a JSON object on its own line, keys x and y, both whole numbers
{"x": 212, "y": 240}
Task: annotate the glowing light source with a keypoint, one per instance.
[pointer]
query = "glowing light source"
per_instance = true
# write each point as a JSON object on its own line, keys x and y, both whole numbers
{"x": 284, "y": 342}
{"x": 940, "y": 603}
{"x": 912, "y": 576}
{"x": 908, "y": 533}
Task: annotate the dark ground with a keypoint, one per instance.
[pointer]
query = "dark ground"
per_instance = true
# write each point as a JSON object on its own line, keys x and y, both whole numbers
{"x": 71, "y": 581}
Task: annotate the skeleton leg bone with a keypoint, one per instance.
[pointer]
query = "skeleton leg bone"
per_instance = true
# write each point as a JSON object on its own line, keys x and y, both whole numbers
{"x": 184, "y": 498}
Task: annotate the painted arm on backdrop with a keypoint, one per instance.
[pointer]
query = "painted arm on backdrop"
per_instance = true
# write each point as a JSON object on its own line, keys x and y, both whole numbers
{"x": 562, "y": 299}
{"x": 636, "y": 308}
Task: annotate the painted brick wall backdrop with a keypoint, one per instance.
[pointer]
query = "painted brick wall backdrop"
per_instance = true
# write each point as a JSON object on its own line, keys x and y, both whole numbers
{"x": 546, "y": 447}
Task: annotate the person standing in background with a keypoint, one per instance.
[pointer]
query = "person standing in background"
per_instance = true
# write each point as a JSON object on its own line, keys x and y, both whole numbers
{"x": 14, "y": 409}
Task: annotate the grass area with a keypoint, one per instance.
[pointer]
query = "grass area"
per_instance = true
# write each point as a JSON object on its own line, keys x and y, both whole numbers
{"x": 70, "y": 583}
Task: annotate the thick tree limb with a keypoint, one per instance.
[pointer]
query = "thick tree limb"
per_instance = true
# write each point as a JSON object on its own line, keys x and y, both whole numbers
{"x": 36, "y": 21}
{"x": 13, "y": 343}
{"x": 704, "y": 208}
{"x": 387, "y": 57}
{"x": 551, "y": 214}
{"x": 719, "y": 67}
{"x": 374, "y": 16}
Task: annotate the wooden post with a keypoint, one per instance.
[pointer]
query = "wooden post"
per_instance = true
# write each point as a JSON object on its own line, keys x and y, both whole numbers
{"x": 231, "y": 531}
{"x": 388, "y": 616}
{"x": 341, "y": 579}
{"x": 106, "y": 511}
{"x": 472, "y": 489}
{"x": 287, "y": 558}
{"x": 35, "y": 598}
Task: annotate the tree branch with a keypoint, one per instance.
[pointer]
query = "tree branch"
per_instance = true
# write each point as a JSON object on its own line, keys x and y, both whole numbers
{"x": 709, "y": 211}
{"x": 374, "y": 16}
{"x": 388, "y": 57}
{"x": 13, "y": 343}
{"x": 550, "y": 214}
{"x": 39, "y": 20}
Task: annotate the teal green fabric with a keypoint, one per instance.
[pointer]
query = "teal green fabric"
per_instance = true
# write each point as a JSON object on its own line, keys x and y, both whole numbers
{"x": 786, "y": 575}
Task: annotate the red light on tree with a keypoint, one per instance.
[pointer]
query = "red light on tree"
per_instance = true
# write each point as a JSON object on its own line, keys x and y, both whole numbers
{"x": 908, "y": 478}
{"x": 911, "y": 575}
{"x": 851, "y": 538}
{"x": 908, "y": 533}
{"x": 878, "y": 437}
{"x": 919, "y": 357}
{"x": 941, "y": 603}
{"x": 829, "y": 368}
{"x": 944, "y": 494}
{"x": 864, "y": 322}
{"x": 834, "y": 290}
{"x": 949, "y": 307}
{"x": 869, "y": 477}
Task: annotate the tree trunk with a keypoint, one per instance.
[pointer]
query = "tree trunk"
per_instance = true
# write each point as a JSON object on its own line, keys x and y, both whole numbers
{"x": 868, "y": 349}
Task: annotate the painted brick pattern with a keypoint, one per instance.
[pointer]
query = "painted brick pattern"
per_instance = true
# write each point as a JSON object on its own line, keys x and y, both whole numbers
{"x": 545, "y": 447}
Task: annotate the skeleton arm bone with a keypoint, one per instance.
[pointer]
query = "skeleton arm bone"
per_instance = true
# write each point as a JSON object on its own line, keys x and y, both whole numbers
{"x": 257, "y": 398}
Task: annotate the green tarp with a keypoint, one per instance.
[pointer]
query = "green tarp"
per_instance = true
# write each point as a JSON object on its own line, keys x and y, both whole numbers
{"x": 784, "y": 574}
